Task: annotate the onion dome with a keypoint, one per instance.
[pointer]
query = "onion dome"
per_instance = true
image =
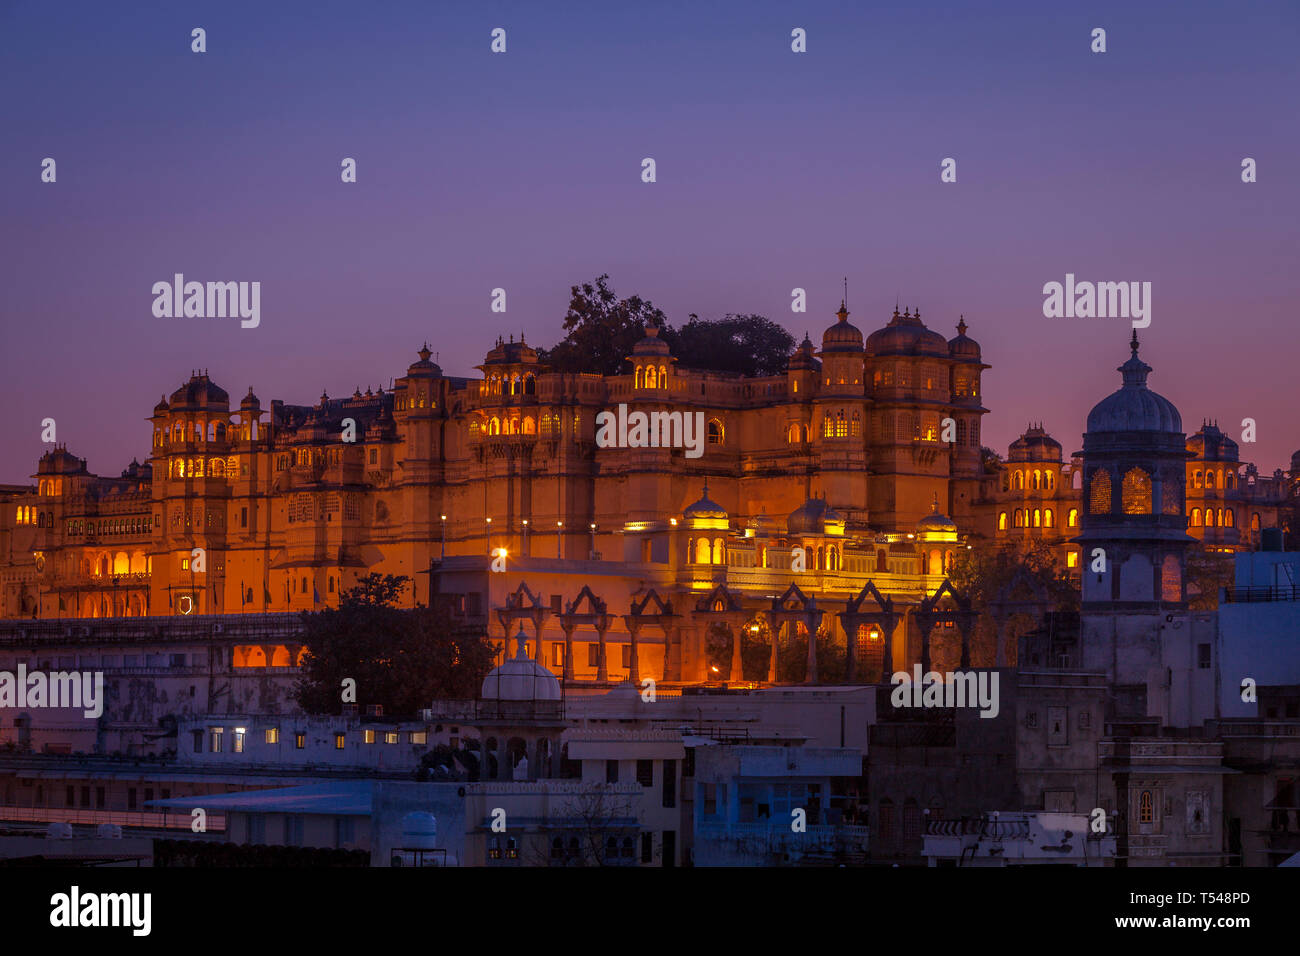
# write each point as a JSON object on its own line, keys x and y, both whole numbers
{"x": 1034, "y": 445}
{"x": 520, "y": 678}
{"x": 705, "y": 509}
{"x": 651, "y": 344}
{"x": 161, "y": 407}
{"x": 906, "y": 335}
{"x": 250, "y": 400}
{"x": 1134, "y": 408}
{"x": 815, "y": 516}
{"x": 804, "y": 357}
{"x": 200, "y": 391}
{"x": 843, "y": 336}
{"x": 936, "y": 523}
{"x": 424, "y": 365}
{"x": 1210, "y": 444}
{"x": 60, "y": 461}
{"x": 963, "y": 347}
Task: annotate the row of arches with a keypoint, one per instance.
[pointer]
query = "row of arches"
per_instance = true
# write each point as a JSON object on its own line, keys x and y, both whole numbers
{"x": 516, "y": 384}
{"x": 50, "y": 487}
{"x": 1223, "y": 478}
{"x": 648, "y": 377}
{"x": 1036, "y": 480}
{"x": 1211, "y": 518}
{"x": 1036, "y": 518}
{"x": 142, "y": 524}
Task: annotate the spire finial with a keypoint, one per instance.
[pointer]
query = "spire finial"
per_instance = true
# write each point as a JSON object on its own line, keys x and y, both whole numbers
{"x": 1134, "y": 344}
{"x": 846, "y": 290}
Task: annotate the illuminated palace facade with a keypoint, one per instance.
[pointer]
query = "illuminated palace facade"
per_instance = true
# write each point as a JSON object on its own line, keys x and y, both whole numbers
{"x": 241, "y": 508}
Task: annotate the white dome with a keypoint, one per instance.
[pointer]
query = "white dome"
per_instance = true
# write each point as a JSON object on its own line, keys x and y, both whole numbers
{"x": 520, "y": 678}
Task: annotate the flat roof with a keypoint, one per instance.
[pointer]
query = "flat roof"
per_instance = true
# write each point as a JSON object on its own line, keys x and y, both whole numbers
{"x": 336, "y": 798}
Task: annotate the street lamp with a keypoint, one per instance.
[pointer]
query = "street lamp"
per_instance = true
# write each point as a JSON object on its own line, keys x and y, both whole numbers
{"x": 525, "y": 550}
{"x": 559, "y": 527}
{"x": 444, "y": 537}
{"x": 593, "y": 539}
{"x": 487, "y": 533}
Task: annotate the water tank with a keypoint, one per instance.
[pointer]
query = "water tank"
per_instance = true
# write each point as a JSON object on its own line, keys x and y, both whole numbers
{"x": 419, "y": 831}
{"x": 108, "y": 831}
{"x": 1270, "y": 539}
{"x": 59, "y": 831}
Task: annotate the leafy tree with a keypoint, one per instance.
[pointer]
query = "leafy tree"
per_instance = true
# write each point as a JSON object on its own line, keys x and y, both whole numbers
{"x": 400, "y": 659}
{"x": 745, "y": 344}
{"x": 1205, "y": 572}
{"x": 983, "y": 571}
{"x": 602, "y": 328}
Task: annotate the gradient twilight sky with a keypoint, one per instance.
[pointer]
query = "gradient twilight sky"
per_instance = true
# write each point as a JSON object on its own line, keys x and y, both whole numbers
{"x": 522, "y": 171}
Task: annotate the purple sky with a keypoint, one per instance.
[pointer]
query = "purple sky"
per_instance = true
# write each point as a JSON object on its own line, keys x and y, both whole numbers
{"x": 522, "y": 171}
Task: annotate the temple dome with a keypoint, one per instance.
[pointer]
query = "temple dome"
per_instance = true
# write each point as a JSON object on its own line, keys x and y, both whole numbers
{"x": 520, "y": 678}
{"x": 1034, "y": 445}
{"x": 200, "y": 391}
{"x": 815, "y": 516}
{"x": 705, "y": 508}
{"x": 963, "y": 347}
{"x": 651, "y": 344}
{"x": 843, "y": 336}
{"x": 1134, "y": 407}
{"x": 907, "y": 335}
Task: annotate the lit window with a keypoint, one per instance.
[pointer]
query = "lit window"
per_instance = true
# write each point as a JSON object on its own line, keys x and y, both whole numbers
{"x": 419, "y": 737}
{"x": 1146, "y": 808}
{"x": 338, "y": 741}
{"x": 217, "y": 733}
{"x": 300, "y": 741}
{"x": 370, "y": 736}
{"x": 390, "y": 737}
{"x": 272, "y": 735}
{"x": 1100, "y": 492}
{"x": 239, "y": 740}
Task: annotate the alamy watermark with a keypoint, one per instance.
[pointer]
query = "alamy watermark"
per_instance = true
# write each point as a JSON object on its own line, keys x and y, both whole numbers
{"x": 1086, "y": 300}
{"x": 626, "y": 429}
{"x": 959, "y": 689}
{"x": 211, "y": 300}
{"x": 84, "y": 689}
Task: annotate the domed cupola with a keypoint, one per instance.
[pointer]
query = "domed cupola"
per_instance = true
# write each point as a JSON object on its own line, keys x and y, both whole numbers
{"x": 161, "y": 407}
{"x": 804, "y": 357}
{"x": 1034, "y": 445}
{"x": 250, "y": 401}
{"x": 962, "y": 347}
{"x": 651, "y": 344}
{"x": 200, "y": 392}
{"x": 906, "y": 334}
{"x": 935, "y": 525}
{"x": 843, "y": 336}
{"x": 424, "y": 367}
{"x": 815, "y": 517}
{"x": 706, "y": 513}
{"x": 1134, "y": 408}
{"x": 1210, "y": 444}
{"x": 520, "y": 678}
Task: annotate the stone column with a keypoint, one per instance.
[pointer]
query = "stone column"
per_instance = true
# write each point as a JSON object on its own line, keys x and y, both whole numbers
{"x": 672, "y": 653}
{"x": 851, "y": 651}
{"x": 634, "y": 672}
{"x": 568, "y": 650}
{"x": 602, "y": 669}
{"x": 811, "y": 618}
{"x": 771, "y": 663}
{"x": 737, "y": 664}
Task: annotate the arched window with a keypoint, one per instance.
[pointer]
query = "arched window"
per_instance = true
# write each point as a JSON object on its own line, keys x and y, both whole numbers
{"x": 494, "y": 426}
{"x": 1072, "y": 559}
{"x": 1209, "y": 517}
{"x": 828, "y": 427}
{"x": 1100, "y": 492}
{"x": 718, "y": 557}
{"x": 1038, "y": 479}
{"x": 702, "y": 552}
{"x": 530, "y": 426}
{"x": 1209, "y": 479}
{"x": 1171, "y": 579}
{"x": 651, "y": 378}
{"x": 1020, "y": 481}
{"x": 1254, "y": 521}
{"x": 1146, "y": 807}
{"x": 640, "y": 377}
{"x": 1038, "y": 518}
{"x": 530, "y": 385}
{"x": 1002, "y": 521}
{"x": 1196, "y": 517}
{"x": 793, "y": 434}
{"x": 1136, "y": 492}
{"x": 1049, "y": 478}
{"x": 1198, "y": 480}
{"x": 1049, "y": 521}
{"x": 1073, "y": 518}
{"x": 856, "y": 429}
{"x": 663, "y": 376}
{"x": 715, "y": 432}
{"x": 1019, "y": 518}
